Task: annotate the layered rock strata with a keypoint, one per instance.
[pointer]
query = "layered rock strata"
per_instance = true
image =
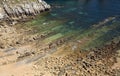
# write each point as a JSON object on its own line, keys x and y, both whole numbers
{"x": 24, "y": 9}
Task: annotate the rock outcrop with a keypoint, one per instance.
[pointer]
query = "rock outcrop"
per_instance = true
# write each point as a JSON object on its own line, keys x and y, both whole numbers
{"x": 95, "y": 62}
{"x": 22, "y": 10}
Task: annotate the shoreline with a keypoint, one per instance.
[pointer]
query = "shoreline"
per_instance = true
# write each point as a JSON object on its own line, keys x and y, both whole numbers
{"x": 54, "y": 59}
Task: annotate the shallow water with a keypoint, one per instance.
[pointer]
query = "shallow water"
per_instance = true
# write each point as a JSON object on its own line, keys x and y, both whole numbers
{"x": 74, "y": 18}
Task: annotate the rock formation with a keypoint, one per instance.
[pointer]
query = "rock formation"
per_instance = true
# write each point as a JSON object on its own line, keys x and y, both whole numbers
{"x": 14, "y": 11}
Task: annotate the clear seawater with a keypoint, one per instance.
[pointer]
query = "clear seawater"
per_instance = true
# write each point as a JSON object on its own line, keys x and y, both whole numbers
{"x": 83, "y": 13}
{"x": 75, "y": 18}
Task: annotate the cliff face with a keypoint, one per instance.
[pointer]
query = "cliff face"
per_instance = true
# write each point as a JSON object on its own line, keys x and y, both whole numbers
{"x": 11, "y": 10}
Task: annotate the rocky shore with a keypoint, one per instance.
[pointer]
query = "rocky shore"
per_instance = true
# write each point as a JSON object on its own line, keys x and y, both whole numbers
{"x": 95, "y": 62}
{"x": 23, "y": 53}
{"x": 12, "y": 11}
{"x": 47, "y": 60}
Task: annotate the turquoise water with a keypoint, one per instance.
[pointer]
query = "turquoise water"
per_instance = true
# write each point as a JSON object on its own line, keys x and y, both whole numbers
{"x": 74, "y": 18}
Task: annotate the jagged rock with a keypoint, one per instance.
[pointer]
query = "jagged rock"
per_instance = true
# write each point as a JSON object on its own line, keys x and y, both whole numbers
{"x": 22, "y": 10}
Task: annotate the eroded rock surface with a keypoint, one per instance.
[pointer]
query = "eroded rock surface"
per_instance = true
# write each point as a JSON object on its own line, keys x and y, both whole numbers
{"x": 12, "y": 11}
